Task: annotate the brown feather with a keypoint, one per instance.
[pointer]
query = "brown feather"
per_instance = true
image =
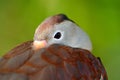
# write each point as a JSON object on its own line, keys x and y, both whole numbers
{"x": 57, "y": 62}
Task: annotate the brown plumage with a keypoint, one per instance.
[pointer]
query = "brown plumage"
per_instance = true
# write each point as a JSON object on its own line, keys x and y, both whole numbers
{"x": 60, "y": 51}
{"x": 57, "y": 62}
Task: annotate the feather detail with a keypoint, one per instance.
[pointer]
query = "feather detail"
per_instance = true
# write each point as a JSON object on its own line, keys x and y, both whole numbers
{"x": 57, "y": 62}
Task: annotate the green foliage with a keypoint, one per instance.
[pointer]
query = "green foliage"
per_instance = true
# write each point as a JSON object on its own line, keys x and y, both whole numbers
{"x": 99, "y": 18}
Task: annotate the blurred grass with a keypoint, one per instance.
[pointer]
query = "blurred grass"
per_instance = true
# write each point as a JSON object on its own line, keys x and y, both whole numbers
{"x": 99, "y": 18}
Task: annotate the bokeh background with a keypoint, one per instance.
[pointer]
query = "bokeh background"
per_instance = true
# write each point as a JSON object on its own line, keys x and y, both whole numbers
{"x": 99, "y": 18}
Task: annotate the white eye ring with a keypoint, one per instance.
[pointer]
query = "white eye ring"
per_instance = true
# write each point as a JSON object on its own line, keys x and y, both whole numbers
{"x": 58, "y": 35}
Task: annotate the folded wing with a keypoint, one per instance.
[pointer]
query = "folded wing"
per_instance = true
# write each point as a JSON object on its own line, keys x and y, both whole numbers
{"x": 57, "y": 62}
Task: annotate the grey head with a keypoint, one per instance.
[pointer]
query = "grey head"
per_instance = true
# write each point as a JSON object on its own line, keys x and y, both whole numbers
{"x": 59, "y": 29}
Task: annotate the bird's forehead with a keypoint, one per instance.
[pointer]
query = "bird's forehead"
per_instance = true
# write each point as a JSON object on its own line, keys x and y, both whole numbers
{"x": 47, "y": 26}
{"x": 50, "y": 22}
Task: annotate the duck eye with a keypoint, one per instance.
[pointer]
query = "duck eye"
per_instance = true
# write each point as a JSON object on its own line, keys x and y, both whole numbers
{"x": 57, "y": 35}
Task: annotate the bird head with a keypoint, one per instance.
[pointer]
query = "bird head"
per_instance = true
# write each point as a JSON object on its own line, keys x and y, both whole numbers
{"x": 59, "y": 29}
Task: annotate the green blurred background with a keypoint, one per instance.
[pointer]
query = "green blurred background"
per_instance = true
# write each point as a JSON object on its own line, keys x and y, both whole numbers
{"x": 99, "y": 18}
